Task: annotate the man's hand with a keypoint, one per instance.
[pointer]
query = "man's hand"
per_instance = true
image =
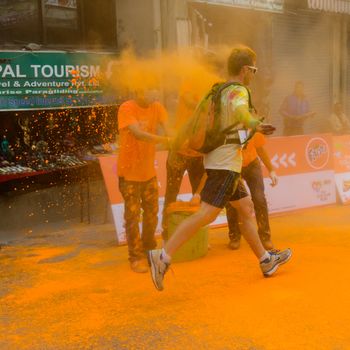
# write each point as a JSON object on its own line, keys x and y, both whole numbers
{"x": 266, "y": 129}
{"x": 274, "y": 178}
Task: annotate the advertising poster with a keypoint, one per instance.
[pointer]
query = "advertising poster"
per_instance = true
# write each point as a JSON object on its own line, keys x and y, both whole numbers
{"x": 304, "y": 165}
{"x": 341, "y": 158}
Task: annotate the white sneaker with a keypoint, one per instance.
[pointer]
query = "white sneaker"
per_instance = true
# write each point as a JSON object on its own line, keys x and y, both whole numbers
{"x": 270, "y": 266}
{"x": 158, "y": 267}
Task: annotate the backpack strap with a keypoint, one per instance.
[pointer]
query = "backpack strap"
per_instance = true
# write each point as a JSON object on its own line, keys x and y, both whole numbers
{"x": 219, "y": 87}
{"x": 228, "y": 130}
{"x": 216, "y": 91}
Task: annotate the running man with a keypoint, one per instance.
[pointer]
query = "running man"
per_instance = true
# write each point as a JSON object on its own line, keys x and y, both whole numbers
{"x": 223, "y": 166}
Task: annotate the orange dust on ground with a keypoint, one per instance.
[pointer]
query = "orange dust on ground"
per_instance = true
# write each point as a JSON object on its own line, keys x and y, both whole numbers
{"x": 74, "y": 290}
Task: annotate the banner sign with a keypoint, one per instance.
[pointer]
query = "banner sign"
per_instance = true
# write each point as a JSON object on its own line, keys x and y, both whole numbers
{"x": 62, "y": 3}
{"x": 304, "y": 165}
{"x": 336, "y": 6}
{"x": 263, "y": 5}
{"x": 44, "y": 80}
{"x": 341, "y": 153}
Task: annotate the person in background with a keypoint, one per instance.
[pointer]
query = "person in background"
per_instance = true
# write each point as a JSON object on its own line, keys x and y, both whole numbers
{"x": 252, "y": 174}
{"x": 338, "y": 122}
{"x": 295, "y": 110}
{"x": 138, "y": 122}
{"x": 184, "y": 159}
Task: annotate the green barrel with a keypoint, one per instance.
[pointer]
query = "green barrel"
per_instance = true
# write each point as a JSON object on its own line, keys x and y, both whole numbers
{"x": 193, "y": 249}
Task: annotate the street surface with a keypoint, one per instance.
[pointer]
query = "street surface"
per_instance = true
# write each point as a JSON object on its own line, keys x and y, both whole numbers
{"x": 73, "y": 289}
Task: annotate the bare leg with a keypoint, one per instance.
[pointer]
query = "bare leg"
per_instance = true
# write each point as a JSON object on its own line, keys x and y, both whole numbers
{"x": 247, "y": 225}
{"x": 188, "y": 228}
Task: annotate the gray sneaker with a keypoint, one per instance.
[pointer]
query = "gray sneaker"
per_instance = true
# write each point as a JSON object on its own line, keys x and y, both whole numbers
{"x": 158, "y": 267}
{"x": 270, "y": 266}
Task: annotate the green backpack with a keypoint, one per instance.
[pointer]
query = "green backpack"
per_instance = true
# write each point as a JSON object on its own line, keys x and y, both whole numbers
{"x": 203, "y": 132}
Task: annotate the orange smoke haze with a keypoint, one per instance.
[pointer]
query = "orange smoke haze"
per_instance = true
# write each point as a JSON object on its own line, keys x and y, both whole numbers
{"x": 168, "y": 71}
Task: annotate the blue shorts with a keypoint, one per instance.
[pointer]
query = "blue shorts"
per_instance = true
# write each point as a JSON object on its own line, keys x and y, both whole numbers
{"x": 222, "y": 186}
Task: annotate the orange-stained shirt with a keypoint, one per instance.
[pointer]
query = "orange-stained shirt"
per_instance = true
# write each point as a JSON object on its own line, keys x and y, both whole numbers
{"x": 249, "y": 153}
{"x": 136, "y": 157}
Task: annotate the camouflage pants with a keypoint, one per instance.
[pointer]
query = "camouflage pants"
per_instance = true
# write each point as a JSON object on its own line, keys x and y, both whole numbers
{"x": 140, "y": 196}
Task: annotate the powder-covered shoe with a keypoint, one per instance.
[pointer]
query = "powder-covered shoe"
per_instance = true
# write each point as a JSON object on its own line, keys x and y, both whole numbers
{"x": 270, "y": 266}
{"x": 158, "y": 267}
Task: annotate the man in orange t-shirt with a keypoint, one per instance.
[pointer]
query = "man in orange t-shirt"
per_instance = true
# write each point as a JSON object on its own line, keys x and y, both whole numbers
{"x": 252, "y": 174}
{"x": 138, "y": 121}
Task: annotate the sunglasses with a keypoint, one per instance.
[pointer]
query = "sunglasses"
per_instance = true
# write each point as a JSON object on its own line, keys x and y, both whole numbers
{"x": 253, "y": 69}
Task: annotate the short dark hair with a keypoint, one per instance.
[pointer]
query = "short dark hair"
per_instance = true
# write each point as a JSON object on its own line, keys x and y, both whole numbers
{"x": 240, "y": 56}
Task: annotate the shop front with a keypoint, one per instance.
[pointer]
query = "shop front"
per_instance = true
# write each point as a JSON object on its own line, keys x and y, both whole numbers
{"x": 57, "y": 111}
